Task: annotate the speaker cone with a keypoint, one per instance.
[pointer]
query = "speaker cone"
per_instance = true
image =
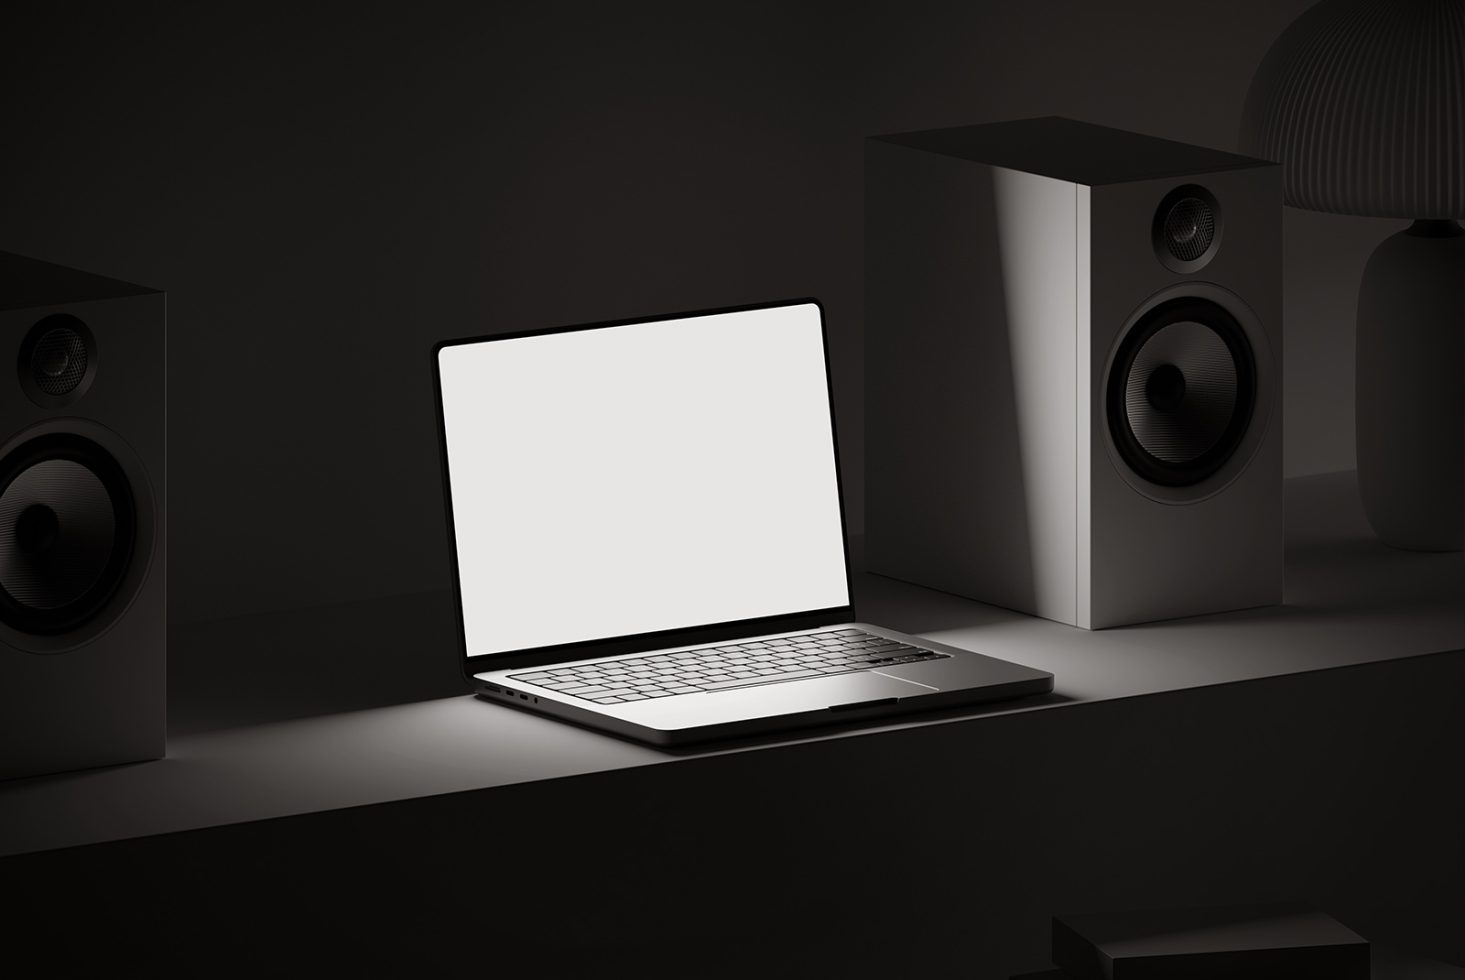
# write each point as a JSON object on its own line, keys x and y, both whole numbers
{"x": 67, "y": 528}
{"x": 1181, "y": 392}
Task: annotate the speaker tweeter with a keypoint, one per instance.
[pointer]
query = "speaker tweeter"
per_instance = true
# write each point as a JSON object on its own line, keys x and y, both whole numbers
{"x": 1187, "y": 229}
{"x": 58, "y": 359}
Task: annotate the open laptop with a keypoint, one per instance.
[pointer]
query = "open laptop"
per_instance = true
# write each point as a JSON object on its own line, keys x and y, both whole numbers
{"x": 648, "y": 536}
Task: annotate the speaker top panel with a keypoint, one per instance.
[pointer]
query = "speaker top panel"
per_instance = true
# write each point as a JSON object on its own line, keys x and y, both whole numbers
{"x": 26, "y": 283}
{"x": 1078, "y": 152}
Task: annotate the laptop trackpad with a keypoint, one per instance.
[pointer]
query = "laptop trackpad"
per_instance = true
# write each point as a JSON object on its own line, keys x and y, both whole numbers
{"x": 870, "y": 686}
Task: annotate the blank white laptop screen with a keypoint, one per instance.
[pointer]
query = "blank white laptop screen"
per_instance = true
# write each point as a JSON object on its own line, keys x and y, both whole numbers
{"x": 620, "y": 480}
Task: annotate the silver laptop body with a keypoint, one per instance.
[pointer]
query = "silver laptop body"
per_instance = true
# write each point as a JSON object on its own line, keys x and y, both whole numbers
{"x": 648, "y": 537}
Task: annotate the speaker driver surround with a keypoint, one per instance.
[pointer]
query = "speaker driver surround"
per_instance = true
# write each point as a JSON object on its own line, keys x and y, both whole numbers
{"x": 67, "y": 530}
{"x": 1181, "y": 392}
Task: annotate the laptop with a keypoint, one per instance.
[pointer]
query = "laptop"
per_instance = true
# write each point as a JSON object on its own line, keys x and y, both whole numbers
{"x": 647, "y": 533}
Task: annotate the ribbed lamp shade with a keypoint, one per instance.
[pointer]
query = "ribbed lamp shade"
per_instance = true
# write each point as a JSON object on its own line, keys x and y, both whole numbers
{"x": 1363, "y": 104}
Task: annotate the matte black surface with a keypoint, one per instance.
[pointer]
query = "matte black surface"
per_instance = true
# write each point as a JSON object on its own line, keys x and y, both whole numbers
{"x": 1070, "y": 150}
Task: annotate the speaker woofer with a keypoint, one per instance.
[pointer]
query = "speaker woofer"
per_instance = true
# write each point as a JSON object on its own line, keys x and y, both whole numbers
{"x": 67, "y": 531}
{"x": 1181, "y": 392}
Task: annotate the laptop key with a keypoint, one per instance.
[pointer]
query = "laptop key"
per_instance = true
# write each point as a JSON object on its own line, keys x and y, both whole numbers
{"x": 616, "y": 692}
{"x": 749, "y": 681}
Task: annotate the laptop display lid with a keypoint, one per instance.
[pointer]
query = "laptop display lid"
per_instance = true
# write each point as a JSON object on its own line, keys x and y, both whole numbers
{"x": 641, "y": 484}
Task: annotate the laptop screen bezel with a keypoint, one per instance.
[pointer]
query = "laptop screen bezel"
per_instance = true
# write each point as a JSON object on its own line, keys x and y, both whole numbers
{"x": 659, "y": 639}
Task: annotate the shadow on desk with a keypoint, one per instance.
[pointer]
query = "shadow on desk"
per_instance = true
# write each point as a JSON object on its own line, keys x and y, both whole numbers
{"x": 315, "y": 661}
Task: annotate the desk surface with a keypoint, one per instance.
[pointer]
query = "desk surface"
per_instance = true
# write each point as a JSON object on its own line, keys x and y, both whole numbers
{"x": 235, "y": 755}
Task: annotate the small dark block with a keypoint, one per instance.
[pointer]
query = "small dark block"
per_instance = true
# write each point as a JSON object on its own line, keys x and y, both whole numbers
{"x": 1257, "y": 942}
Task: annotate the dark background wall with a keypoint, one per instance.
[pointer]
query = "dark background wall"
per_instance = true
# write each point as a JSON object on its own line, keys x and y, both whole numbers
{"x": 325, "y": 191}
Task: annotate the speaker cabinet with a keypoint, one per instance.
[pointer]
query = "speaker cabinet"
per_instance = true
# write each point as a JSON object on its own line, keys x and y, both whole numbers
{"x": 1073, "y": 371}
{"x": 82, "y": 504}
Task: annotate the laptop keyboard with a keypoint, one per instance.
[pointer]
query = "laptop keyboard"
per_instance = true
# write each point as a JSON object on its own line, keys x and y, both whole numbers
{"x": 720, "y": 668}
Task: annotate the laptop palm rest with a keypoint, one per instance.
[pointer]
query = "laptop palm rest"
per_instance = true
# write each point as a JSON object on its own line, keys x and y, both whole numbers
{"x": 843, "y": 691}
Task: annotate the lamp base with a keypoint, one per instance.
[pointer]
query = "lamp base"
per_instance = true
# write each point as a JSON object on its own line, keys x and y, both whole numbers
{"x": 1410, "y": 410}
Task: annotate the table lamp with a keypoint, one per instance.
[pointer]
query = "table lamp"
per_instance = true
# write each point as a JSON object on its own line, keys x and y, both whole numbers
{"x": 1363, "y": 104}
